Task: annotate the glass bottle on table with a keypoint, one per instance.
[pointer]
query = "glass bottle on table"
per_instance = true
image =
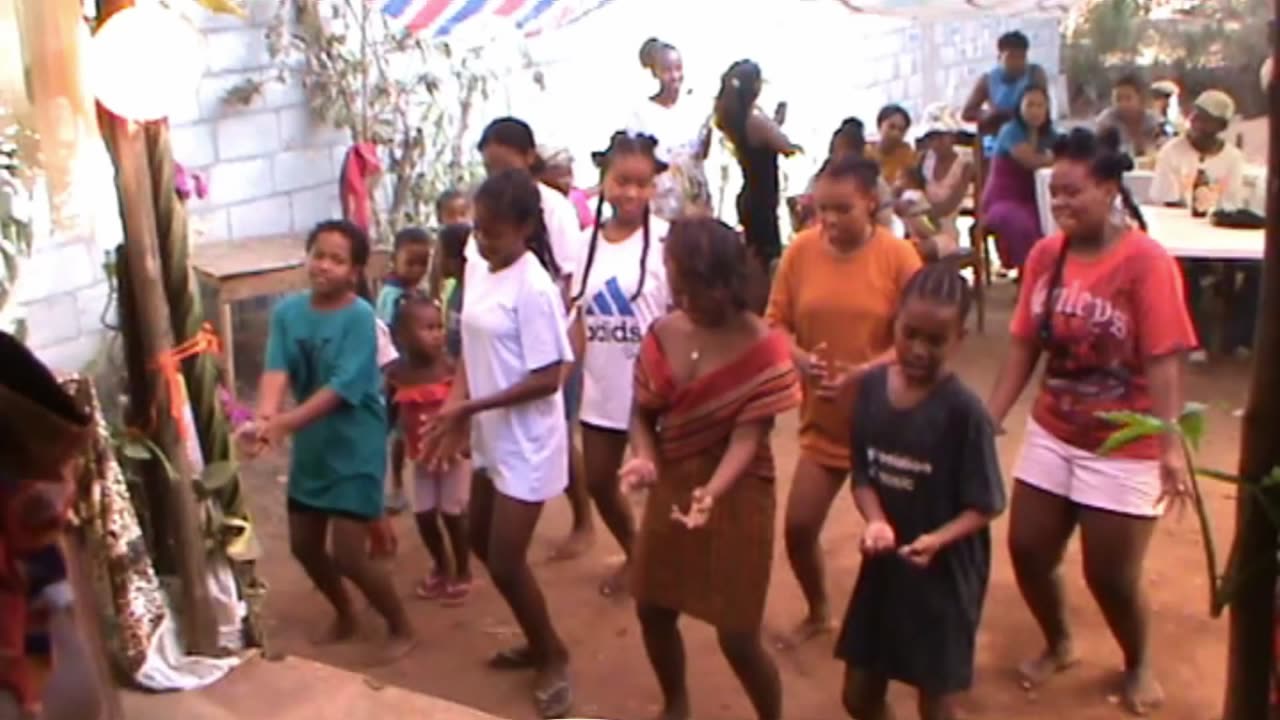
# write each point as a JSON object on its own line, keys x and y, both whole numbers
{"x": 1202, "y": 194}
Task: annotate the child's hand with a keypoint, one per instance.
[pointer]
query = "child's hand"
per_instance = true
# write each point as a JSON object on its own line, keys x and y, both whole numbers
{"x": 878, "y": 538}
{"x": 837, "y": 378}
{"x": 921, "y": 551}
{"x": 700, "y": 506}
{"x": 272, "y": 432}
{"x": 451, "y": 420}
{"x": 249, "y": 439}
{"x": 637, "y": 474}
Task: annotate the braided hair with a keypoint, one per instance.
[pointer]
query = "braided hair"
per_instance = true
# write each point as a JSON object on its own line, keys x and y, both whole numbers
{"x": 739, "y": 90}
{"x": 622, "y": 143}
{"x": 1107, "y": 164}
{"x": 513, "y": 196}
{"x": 358, "y": 244}
{"x": 940, "y": 283}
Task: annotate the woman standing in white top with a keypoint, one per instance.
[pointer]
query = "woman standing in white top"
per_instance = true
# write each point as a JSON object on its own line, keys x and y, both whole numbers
{"x": 619, "y": 290}
{"x": 683, "y": 131}
{"x": 515, "y": 348}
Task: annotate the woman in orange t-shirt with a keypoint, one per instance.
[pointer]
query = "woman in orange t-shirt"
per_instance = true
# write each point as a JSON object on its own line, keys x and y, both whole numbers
{"x": 835, "y": 294}
{"x": 1104, "y": 303}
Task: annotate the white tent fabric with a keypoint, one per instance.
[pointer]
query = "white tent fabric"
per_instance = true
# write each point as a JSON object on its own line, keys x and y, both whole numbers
{"x": 947, "y": 9}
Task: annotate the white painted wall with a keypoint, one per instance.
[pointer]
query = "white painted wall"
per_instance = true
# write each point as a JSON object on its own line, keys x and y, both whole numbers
{"x": 272, "y": 170}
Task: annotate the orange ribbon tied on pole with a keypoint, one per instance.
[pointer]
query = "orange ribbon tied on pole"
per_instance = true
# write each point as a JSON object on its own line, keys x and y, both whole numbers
{"x": 169, "y": 364}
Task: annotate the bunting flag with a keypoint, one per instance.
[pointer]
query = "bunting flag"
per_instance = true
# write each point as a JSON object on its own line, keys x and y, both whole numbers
{"x": 439, "y": 18}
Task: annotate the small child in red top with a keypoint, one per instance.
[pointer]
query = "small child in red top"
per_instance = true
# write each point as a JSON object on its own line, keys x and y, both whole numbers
{"x": 421, "y": 379}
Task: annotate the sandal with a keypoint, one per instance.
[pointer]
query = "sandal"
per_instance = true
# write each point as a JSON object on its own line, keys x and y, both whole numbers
{"x": 514, "y": 658}
{"x": 554, "y": 698}
{"x": 431, "y": 587}
{"x": 455, "y": 593}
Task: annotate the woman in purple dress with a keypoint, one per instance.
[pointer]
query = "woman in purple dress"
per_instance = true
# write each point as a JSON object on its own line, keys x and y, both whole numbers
{"x": 1022, "y": 146}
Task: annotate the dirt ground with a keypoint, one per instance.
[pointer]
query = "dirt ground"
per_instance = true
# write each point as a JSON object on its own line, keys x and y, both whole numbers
{"x": 612, "y": 676}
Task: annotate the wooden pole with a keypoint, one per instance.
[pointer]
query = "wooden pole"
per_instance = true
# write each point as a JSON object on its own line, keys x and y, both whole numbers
{"x": 133, "y": 183}
{"x": 1250, "y": 660}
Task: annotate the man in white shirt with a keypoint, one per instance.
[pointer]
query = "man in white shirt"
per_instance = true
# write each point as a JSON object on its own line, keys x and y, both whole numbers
{"x": 1202, "y": 147}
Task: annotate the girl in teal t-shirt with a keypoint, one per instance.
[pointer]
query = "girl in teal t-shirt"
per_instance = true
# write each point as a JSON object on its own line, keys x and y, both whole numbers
{"x": 322, "y": 346}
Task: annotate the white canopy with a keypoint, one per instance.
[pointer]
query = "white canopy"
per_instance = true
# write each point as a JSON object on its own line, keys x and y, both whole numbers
{"x": 943, "y": 9}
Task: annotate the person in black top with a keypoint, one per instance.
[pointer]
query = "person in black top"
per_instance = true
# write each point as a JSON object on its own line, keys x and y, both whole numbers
{"x": 757, "y": 140}
{"x": 927, "y": 480}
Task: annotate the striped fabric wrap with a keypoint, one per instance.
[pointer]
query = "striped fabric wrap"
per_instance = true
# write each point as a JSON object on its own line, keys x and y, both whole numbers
{"x": 718, "y": 573}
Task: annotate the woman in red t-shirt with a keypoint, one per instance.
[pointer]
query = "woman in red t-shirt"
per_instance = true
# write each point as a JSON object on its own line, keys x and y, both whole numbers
{"x": 1115, "y": 339}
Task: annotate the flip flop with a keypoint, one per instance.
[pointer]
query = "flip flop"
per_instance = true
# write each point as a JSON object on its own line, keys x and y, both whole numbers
{"x": 555, "y": 699}
{"x": 455, "y": 593}
{"x": 431, "y": 587}
{"x": 513, "y": 658}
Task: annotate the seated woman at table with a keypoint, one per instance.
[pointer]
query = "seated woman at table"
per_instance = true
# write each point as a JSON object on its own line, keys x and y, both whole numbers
{"x": 1203, "y": 147}
{"x": 1009, "y": 210}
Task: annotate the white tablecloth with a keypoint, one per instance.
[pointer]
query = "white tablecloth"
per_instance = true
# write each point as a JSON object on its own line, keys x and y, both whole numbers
{"x": 1183, "y": 235}
{"x": 1187, "y": 237}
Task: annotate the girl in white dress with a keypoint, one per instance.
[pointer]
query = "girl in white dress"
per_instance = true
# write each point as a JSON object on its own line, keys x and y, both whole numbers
{"x": 507, "y": 398}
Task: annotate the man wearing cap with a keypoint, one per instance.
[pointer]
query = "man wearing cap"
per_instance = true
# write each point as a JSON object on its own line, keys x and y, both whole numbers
{"x": 1202, "y": 147}
{"x": 1163, "y": 93}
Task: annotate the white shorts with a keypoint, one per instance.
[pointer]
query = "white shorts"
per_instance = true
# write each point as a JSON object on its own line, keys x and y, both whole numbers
{"x": 1121, "y": 485}
{"x": 448, "y": 491}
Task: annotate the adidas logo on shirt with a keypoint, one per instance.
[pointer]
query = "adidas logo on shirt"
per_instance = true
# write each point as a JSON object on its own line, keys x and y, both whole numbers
{"x": 611, "y": 302}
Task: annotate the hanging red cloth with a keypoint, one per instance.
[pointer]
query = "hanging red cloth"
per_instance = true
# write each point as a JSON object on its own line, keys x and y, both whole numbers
{"x": 360, "y": 170}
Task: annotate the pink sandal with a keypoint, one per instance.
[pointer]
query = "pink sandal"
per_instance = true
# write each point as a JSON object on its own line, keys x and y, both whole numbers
{"x": 455, "y": 593}
{"x": 432, "y": 587}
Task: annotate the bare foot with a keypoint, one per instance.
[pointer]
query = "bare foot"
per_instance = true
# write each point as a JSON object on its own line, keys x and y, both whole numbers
{"x": 1035, "y": 672}
{"x": 342, "y": 630}
{"x": 1142, "y": 693}
{"x": 674, "y": 711}
{"x": 616, "y": 584}
{"x": 812, "y": 627}
{"x": 397, "y": 646}
{"x": 574, "y": 546}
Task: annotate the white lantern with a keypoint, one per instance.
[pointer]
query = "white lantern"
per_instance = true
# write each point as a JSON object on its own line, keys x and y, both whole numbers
{"x": 142, "y": 60}
{"x": 1265, "y": 75}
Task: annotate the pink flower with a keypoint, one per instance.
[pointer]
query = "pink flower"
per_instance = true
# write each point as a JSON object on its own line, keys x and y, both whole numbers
{"x": 187, "y": 184}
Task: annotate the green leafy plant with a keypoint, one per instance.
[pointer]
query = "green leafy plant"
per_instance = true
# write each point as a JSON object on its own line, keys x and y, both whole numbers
{"x": 416, "y": 99}
{"x": 1190, "y": 429}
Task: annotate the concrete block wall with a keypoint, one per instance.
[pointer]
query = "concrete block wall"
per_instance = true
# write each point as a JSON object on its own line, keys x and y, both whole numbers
{"x": 271, "y": 170}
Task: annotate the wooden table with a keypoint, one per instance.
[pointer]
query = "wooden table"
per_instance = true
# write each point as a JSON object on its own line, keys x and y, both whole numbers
{"x": 257, "y": 267}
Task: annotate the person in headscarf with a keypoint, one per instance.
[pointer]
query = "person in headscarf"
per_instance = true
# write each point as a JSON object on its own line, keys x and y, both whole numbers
{"x": 557, "y": 172}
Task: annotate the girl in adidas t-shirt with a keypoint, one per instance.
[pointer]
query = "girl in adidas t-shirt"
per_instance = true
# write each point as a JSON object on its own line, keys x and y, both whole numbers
{"x": 619, "y": 290}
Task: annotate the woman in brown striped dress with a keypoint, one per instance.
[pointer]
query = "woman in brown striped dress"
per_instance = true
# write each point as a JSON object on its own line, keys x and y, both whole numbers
{"x": 710, "y": 378}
